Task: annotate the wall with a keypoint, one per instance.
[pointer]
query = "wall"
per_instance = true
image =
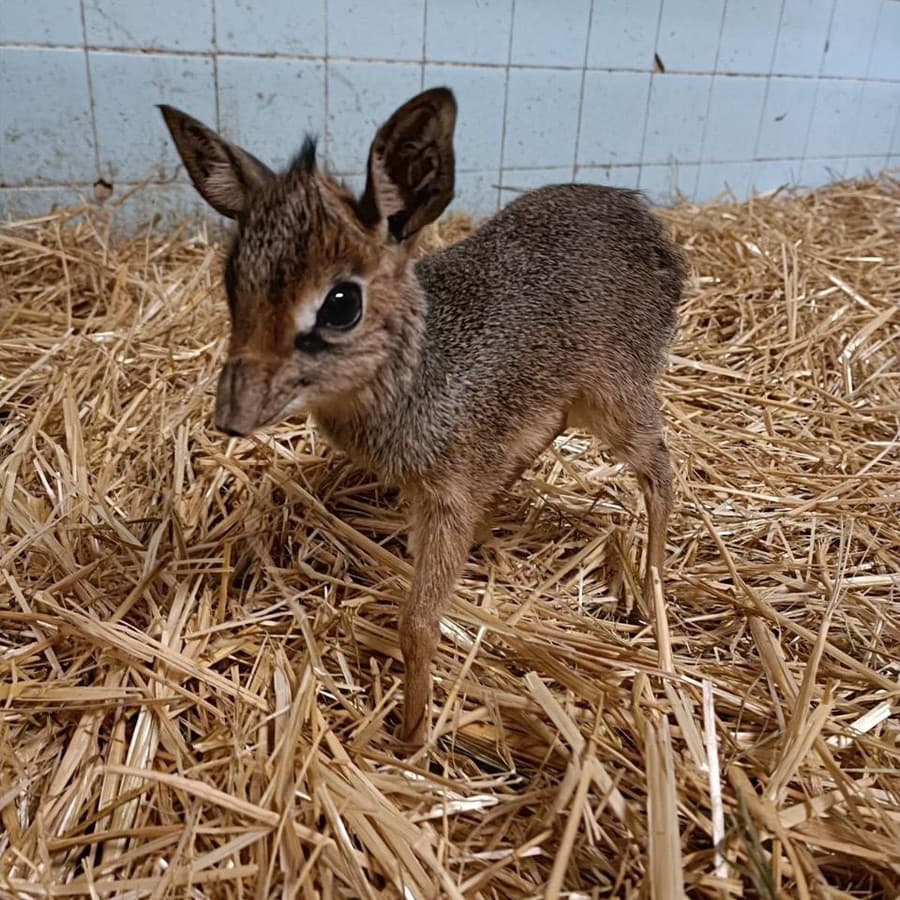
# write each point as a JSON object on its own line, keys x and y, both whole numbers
{"x": 754, "y": 93}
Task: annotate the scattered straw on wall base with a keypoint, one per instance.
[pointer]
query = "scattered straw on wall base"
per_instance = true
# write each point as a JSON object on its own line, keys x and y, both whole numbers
{"x": 199, "y": 670}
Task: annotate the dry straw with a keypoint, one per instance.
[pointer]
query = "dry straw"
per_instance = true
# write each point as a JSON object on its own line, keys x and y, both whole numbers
{"x": 199, "y": 670}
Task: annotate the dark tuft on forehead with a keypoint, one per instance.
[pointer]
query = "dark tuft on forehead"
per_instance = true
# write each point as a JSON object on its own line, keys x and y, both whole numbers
{"x": 304, "y": 163}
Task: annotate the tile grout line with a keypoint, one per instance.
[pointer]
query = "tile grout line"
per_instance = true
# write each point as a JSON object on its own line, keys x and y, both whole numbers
{"x": 587, "y": 45}
{"x": 215, "y": 64}
{"x": 762, "y": 112}
{"x": 90, "y": 87}
{"x": 424, "y": 39}
{"x": 895, "y": 133}
{"x": 75, "y": 185}
{"x": 712, "y": 83}
{"x": 512, "y": 25}
{"x": 101, "y": 49}
{"x": 874, "y": 38}
{"x": 815, "y": 102}
{"x": 653, "y": 75}
{"x": 868, "y": 69}
{"x": 896, "y": 129}
{"x": 523, "y": 168}
{"x": 326, "y": 137}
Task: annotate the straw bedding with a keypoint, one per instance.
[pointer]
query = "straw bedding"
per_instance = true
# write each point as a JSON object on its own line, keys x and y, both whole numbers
{"x": 199, "y": 669}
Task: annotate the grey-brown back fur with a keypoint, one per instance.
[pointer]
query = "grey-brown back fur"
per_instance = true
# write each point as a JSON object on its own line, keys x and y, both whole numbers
{"x": 568, "y": 293}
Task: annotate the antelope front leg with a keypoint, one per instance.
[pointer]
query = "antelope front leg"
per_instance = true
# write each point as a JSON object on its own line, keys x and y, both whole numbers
{"x": 442, "y": 529}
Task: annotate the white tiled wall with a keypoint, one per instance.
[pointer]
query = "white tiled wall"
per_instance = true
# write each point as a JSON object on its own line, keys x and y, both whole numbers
{"x": 685, "y": 96}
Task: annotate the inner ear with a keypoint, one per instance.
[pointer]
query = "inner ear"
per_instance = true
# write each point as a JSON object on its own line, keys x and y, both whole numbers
{"x": 411, "y": 165}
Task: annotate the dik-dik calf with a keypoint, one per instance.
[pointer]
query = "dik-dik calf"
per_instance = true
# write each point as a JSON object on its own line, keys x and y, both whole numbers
{"x": 447, "y": 376}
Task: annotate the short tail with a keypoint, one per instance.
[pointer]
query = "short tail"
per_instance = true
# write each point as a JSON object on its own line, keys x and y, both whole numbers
{"x": 670, "y": 269}
{"x": 670, "y": 264}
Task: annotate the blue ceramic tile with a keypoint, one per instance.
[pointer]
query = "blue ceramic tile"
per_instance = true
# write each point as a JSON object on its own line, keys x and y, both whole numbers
{"x": 818, "y": 172}
{"x": 160, "y": 25}
{"x": 689, "y": 35}
{"x": 161, "y": 206}
{"x": 476, "y": 193}
{"x": 475, "y": 31}
{"x": 517, "y": 181}
{"x": 623, "y": 34}
{"x": 361, "y": 96}
{"x": 612, "y": 117}
{"x": 833, "y": 119}
{"x": 722, "y": 181}
{"x": 732, "y": 125}
{"x": 865, "y": 166}
{"x": 388, "y": 29}
{"x": 134, "y": 142}
{"x": 748, "y": 36}
{"x": 30, "y": 203}
{"x": 669, "y": 183}
{"x": 45, "y": 131}
{"x": 479, "y": 127}
{"x": 851, "y": 37}
{"x": 775, "y": 174}
{"x": 612, "y": 176}
{"x": 355, "y": 183}
{"x": 842, "y": 125}
{"x": 541, "y": 118}
{"x": 786, "y": 117}
{"x": 801, "y": 37}
{"x": 885, "y": 62}
{"x": 293, "y": 27}
{"x": 875, "y": 119}
{"x": 550, "y": 35}
{"x": 769, "y": 176}
{"x": 41, "y": 22}
{"x": 675, "y": 117}
{"x": 268, "y": 105}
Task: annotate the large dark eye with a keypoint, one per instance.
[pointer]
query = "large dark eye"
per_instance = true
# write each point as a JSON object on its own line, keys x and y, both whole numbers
{"x": 342, "y": 308}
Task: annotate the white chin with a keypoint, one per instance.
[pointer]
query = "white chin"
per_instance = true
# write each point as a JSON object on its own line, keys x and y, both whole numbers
{"x": 297, "y": 407}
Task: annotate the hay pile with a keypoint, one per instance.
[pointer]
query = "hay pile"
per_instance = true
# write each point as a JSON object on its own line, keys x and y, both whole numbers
{"x": 199, "y": 669}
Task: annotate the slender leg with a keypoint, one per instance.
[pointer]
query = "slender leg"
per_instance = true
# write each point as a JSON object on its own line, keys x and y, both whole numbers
{"x": 635, "y": 432}
{"x": 655, "y": 477}
{"x": 443, "y": 526}
{"x": 536, "y": 441}
{"x": 486, "y": 523}
{"x": 537, "y": 438}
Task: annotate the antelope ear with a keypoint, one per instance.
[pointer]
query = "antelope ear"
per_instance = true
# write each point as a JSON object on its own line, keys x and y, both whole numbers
{"x": 411, "y": 166}
{"x": 224, "y": 174}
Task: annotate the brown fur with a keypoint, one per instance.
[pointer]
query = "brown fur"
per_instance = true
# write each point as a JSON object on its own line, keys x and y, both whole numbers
{"x": 466, "y": 364}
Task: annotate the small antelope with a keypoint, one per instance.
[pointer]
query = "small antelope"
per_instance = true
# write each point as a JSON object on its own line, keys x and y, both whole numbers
{"x": 450, "y": 375}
